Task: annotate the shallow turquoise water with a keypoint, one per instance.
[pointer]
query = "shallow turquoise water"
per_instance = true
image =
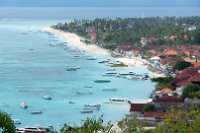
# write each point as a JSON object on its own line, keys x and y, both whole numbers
{"x": 27, "y": 75}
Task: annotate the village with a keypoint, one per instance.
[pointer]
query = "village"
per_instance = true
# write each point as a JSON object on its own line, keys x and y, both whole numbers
{"x": 180, "y": 65}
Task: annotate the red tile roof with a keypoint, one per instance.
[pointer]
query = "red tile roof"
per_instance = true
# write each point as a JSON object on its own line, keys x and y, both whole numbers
{"x": 137, "y": 106}
{"x": 157, "y": 115}
{"x": 166, "y": 90}
{"x": 168, "y": 99}
{"x": 195, "y": 78}
{"x": 171, "y": 53}
{"x": 91, "y": 34}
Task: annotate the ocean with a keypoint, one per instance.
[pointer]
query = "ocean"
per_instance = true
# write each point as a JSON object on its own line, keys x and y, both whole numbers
{"x": 31, "y": 68}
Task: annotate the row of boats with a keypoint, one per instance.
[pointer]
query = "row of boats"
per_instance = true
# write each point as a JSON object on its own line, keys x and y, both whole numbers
{"x": 90, "y": 108}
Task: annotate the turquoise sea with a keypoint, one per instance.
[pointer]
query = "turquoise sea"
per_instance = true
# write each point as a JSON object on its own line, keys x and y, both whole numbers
{"x": 30, "y": 68}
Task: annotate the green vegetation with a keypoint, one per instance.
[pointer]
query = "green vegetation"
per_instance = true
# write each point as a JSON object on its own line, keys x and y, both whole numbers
{"x": 191, "y": 91}
{"x": 163, "y": 82}
{"x": 181, "y": 65}
{"x": 172, "y": 30}
{"x": 90, "y": 125}
{"x": 181, "y": 121}
{"x": 149, "y": 108}
{"x": 6, "y": 123}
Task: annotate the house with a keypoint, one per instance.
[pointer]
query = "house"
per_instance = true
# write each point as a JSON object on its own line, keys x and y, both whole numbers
{"x": 166, "y": 91}
{"x": 171, "y": 53}
{"x": 145, "y": 40}
{"x": 164, "y": 103}
{"x": 137, "y": 107}
{"x": 156, "y": 115}
{"x": 190, "y": 75}
{"x": 90, "y": 29}
{"x": 128, "y": 50}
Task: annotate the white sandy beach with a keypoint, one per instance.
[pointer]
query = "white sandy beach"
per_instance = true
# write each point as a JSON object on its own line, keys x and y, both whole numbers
{"x": 75, "y": 41}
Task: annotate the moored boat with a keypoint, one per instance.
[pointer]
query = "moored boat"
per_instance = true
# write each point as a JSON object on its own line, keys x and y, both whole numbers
{"x": 36, "y": 112}
{"x": 47, "y": 97}
{"x": 102, "y": 81}
{"x": 16, "y": 121}
{"x": 117, "y": 99}
{"x": 86, "y": 111}
{"x": 97, "y": 105}
{"x": 24, "y": 105}
{"x": 109, "y": 89}
{"x": 91, "y": 58}
{"x": 31, "y": 130}
{"x": 73, "y": 68}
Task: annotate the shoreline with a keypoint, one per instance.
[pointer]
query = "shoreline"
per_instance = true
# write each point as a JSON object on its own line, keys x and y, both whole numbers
{"x": 75, "y": 41}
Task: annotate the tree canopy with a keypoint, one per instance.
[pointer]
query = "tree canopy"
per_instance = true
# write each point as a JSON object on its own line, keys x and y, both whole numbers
{"x": 191, "y": 91}
{"x": 6, "y": 123}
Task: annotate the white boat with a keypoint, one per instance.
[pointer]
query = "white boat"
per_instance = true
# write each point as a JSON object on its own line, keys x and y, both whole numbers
{"x": 102, "y": 81}
{"x": 16, "y": 121}
{"x": 109, "y": 89}
{"x": 116, "y": 99}
{"x": 47, "y": 97}
{"x": 91, "y": 58}
{"x": 24, "y": 105}
{"x": 31, "y": 130}
{"x": 36, "y": 112}
{"x": 86, "y": 111}
{"x": 97, "y": 105}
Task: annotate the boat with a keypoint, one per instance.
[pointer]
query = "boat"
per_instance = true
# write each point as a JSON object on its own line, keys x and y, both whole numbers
{"x": 16, "y": 121}
{"x": 24, "y": 105}
{"x": 31, "y": 130}
{"x": 110, "y": 74}
{"x": 73, "y": 68}
{"x": 102, "y": 81}
{"x": 109, "y": 89}
{"x": 36, "y": 112}
{"x": 93, "y": 105}
{"x": 47, "y": 97}
{"x": 48, "y": 128}
{"x": 71, "y": 102}
{"x": 125, "y": 74}
{"x": 87, "y": 86}
{"x": 91, "y": 58}
{"x": 84, "y": 93}
{"x": 116, "y": 99}
{"x": 111, "y": 69}
{"x": 86, "y": 111}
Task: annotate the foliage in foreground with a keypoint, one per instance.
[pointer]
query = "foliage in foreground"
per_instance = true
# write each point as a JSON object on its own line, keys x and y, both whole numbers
{"x": 6, "y": 123}
{"x": 90, "y": 125}
{"x": 181, "y": 121}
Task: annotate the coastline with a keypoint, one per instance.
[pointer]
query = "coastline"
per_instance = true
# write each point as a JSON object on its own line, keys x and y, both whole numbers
{"x": 75, "y": 41}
